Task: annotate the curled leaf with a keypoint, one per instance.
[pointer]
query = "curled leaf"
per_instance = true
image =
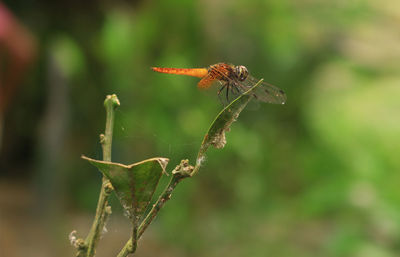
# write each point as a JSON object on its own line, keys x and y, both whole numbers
{"x": 134, "y": 184}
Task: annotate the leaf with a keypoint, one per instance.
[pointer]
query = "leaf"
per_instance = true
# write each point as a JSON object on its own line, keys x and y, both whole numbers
{"x": 134, "y": 184}
{"x": 216, "y": 133}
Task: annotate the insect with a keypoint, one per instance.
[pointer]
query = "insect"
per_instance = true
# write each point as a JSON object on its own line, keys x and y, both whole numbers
{"x": 235, "y": 80}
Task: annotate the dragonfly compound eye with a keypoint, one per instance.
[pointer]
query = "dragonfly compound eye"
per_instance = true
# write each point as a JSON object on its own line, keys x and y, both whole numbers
{"x": 241, "y": 72}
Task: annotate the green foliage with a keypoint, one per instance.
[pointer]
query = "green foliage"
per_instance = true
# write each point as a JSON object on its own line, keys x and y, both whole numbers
{"x": 134, "y": 184}
{"x": 216, "y": 133}
{"x": 316, "y": 177}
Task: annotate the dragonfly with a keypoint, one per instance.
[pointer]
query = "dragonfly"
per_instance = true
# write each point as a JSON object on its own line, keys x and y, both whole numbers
{"x": 235, "y": 80}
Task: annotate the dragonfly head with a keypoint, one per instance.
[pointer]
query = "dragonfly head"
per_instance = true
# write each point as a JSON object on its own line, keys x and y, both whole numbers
{"x": 241, "y": 72}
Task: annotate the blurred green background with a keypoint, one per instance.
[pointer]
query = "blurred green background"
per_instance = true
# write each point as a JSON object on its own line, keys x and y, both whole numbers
{"x": 318, "y": 176}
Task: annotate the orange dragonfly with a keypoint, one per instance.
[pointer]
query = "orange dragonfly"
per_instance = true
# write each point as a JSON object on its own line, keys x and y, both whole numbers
{"x": 234, "y": 79}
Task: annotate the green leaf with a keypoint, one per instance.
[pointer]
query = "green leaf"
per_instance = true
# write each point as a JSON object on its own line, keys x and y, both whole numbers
{"x": 216, "y": 133}
{"x": 134, "y": 184}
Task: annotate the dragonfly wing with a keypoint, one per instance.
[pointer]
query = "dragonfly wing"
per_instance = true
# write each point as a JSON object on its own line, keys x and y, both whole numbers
{"x": 265, "y": 92}
{"x": 206, "y": 81}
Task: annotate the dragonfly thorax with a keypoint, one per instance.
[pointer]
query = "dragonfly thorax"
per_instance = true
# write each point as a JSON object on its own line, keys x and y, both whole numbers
{"x": 241, "y": 72}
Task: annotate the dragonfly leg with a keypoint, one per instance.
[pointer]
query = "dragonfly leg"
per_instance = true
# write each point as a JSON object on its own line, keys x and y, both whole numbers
{"x": 219, "y": 92}
{"x": 227, "y": 93}
{"x": 235, "y": 89}
{"x": 222, "y": 88}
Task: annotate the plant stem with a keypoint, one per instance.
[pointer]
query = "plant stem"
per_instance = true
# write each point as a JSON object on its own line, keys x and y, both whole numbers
{"x": 111, "y": 103}
{"x": 134, "y": 237}
{"x": 181, "y": 171}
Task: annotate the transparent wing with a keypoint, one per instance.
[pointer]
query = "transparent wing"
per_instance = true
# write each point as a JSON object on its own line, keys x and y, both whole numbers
{"x": 206, "y": 82}
{"x": 266, "y": 92}
{"x": 227, "y": 93}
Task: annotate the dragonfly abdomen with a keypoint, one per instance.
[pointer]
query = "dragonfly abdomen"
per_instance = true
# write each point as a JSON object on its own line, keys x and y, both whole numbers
{"x": 188, "y": 72}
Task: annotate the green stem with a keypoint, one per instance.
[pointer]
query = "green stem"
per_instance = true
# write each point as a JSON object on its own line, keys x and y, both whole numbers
{"x": 178, "y": 174}
{"x": 111, "y": 103}
{"x": 134, "y": 237}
